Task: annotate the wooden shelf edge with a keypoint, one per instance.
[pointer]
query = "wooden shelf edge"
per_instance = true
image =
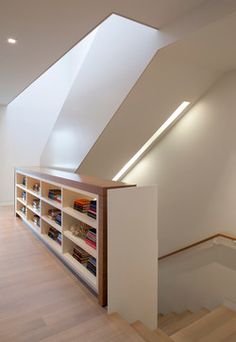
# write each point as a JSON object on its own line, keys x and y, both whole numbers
{"x": 52, "y": 223}
{"x": 81, "y": 217}
{"x": 81, "y": 243}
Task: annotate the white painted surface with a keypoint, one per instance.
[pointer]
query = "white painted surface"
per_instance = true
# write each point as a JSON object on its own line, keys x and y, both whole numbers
{"x": 120, "y": 52}
{"x": 164, "y": 85}
{"x": 182, "y": 71}
{"x": 194, "y": 166}
{"x": 26, "y": 123}
{"x": 204, "y": 277}
{"x": 67, "y": 22}
{"x": 132, "y": 254}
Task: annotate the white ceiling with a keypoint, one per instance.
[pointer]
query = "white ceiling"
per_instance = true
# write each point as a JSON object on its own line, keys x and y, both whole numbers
{"x": 47, "y": 29}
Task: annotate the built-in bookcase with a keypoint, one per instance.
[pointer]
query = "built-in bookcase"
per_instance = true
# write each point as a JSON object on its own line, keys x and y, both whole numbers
{"x": 33, "y": 187}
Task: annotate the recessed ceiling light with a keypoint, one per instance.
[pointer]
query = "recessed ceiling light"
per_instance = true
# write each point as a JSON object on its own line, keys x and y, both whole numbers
{"x": 11, "y": 40}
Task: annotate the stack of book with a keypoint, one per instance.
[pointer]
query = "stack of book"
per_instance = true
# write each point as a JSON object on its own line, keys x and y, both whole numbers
{"x": 36, "y": 220}
{"x": 55, "y": 235}
{"x": 55, "y": 195}
{"x": 91, "y": 265}
{"x": 91, "y": 238}
{"x": 58, "y": 218}
{"x": 36, "y": 187}
{"x": 82, "y": 205}
{"x": 80, "y": 255}
{"x": 92, "y": 211}
{"x": 59, "y": 239}
{"x": 23, "y": 210}
{"x": 36, "y": 203}
{"x": 23, "y": 195}
{"x": 52, "y": 213}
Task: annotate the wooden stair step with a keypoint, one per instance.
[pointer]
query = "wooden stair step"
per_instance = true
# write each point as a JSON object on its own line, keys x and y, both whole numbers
{"x": 125, "y": 327}
{"x": 171, "y": 319}
{"x": 162, "y": 337}
{"x": 144, "y": 332}
{"x": 185, "y": 321}
{"x": 167, "y": 319}
{"x": 226, "y": 332}
{"x": 206, "y": 326}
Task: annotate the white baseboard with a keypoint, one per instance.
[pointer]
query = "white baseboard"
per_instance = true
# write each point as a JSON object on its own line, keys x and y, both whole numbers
{"x": 5, "y": 204}
{"x": 230, "y": 304}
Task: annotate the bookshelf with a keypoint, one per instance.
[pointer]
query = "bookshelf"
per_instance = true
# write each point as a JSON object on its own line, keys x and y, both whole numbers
{"x": 60, "y": 233}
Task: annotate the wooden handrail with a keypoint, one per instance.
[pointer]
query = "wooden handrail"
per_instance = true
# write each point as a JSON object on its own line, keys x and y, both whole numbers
{"x": 224, "y": 235}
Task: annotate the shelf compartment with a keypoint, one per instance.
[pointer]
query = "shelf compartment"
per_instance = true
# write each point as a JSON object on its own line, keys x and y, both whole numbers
{"x": 21, "y": 201}
{"x": 81, "y": 217}
{"x": 45, "y": 191}
{"x": 35, "y": 211}
{"x": 69, "y": 197}
{"x": 21, "y": 195}
{"x": 19, "y": 206}
{"x": 81, "y": 270}
{"x": 30, "y": 199}
{"x": 68, "y": 247}
{"x": 21, "y": 186}
{"x": 45, "y": 207}
{"x": 30, "y": 219}
{"x": 33, "y": 226}
{"x": 23, "y": 216}
{"x": 81, "y": 243}
{"x": 52, "y": 203}
{"x": 52, "y": 243}
{"x": 68, "y": 222}
{"x": 31, "y": 182}
{"x": 19, "y": 180}
{"x": 52, "y": 223}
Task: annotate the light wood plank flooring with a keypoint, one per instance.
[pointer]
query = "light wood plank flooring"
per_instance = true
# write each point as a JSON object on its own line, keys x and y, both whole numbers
{"x": 40, "y": 299}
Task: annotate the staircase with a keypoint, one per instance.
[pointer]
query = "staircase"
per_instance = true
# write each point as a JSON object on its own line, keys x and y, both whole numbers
{"x": 204, "y": 325}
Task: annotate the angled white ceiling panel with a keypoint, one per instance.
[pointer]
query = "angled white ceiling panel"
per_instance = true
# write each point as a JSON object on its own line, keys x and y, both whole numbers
{"x": 47, "y": 29}
{"x": 120, "y": 52}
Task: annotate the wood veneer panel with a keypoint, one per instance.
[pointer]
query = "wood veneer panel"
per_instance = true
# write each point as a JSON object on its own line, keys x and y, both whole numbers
{"x": 90, "y": 184}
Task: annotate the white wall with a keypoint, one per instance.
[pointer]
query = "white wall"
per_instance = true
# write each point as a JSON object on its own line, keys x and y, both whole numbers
{"x": 204, "y": 277}
{"x": 162, "y": 87}
{"x": 26, "y": 123}
{"x": 194, "y": 166}
{"x": 119, "y": 54}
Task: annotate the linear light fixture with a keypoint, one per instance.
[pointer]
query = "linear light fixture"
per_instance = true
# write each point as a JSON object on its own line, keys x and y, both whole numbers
{"x": 174, "y": 116}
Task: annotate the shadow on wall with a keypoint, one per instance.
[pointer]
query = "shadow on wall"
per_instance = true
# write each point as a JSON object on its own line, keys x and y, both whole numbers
{"x": 196, "y": 279}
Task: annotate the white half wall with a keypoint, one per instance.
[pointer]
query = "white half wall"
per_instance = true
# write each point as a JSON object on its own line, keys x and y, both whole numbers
{"x": 26, "y": 123}
{"x": 120, "y": 52}
{"x": 194, "y": 166}
{"x": 132, "y": 254}
{"x": 204, "y": 277}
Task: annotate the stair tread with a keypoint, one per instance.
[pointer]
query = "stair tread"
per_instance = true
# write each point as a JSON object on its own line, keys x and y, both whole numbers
{"x": 166, "y": 317}
{"x": 184, "y": 321}
{"x": 162, "y": 337}
{"x": 124, "y": 326}
{"x": 222, "y": 333}
{"x": 205, "y": 327}
{"x": 171, "y": 319}
{"x": 144, "y": 332}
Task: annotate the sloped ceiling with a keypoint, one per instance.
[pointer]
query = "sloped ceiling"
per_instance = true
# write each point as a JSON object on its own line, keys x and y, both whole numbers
{"x": 47, "y": 29}
{"x": 182, "y": 71}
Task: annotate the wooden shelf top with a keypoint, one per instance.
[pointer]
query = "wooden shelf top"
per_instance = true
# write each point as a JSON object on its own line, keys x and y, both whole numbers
{"x": 87, "y": 183}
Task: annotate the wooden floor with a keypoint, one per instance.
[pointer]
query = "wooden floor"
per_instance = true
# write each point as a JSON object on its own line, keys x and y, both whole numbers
{"x": 40, "y": 300}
